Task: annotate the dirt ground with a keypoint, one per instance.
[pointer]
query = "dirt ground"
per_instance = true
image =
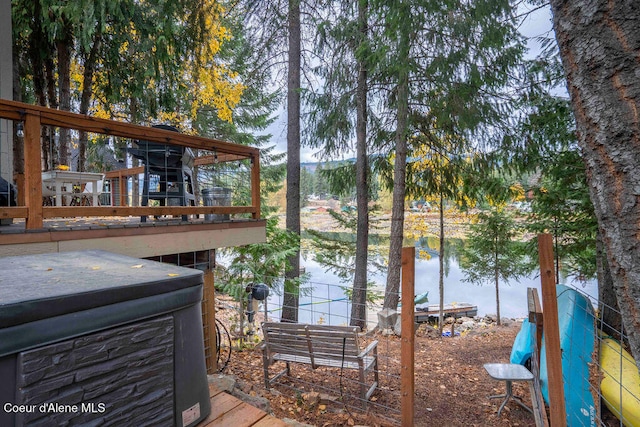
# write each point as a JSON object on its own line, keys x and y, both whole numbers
{"x": 451, "y": 385}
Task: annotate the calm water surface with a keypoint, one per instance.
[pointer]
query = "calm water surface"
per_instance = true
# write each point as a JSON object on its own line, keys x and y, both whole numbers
{"x": 325, "y": 286}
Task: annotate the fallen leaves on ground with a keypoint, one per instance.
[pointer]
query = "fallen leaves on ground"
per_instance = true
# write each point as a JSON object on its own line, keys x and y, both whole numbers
{"x": 451, "y": 386}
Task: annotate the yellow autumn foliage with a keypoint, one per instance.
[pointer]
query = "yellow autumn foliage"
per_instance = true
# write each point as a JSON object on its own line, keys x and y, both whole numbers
{"x": 498, "y": 204}
{"x": 213, "y": 83}
{"x": 216, "y": 86}
{"x": 427, "y": 159}
{"x": 208, "y": 81}
{"x": 518, "y": 192}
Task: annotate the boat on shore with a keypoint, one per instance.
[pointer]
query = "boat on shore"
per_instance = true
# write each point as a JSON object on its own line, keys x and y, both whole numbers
{"x": 576, "y": 322}
{"x": 620, "y": 386}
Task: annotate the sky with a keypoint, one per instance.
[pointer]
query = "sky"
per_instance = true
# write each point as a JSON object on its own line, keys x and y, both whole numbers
{"x": 536, "y": 24}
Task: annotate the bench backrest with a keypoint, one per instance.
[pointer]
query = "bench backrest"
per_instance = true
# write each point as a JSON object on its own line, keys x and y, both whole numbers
{"x": 314, "y": 341}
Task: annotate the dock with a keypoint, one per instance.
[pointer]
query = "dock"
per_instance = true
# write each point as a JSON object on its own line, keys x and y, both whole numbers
{"x": 424, "y": 313}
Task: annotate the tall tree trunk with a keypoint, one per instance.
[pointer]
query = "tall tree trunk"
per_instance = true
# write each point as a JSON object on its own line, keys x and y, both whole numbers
{"x": 441, "y": 267}
{"x": 358, "y": 308}
{"x": 18, "y": 143}
{"x": 608, "y": 310}
{"x": 599, "y": 46}
{"x": 37, "y": 43}
{"x": 48, "y": 141}
{"x": 392, "y": 290}
{"x": 63, "y": 48}
{"x": 85, "y": 97}
{"x": 497, "y": 282}
{"x": 134, "y": 110}
{"x": 291, "y": 291}
{"x": 556, "y": 249}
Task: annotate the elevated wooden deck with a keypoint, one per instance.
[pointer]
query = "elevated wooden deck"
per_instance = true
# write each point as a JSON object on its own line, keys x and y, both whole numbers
{"x": 78, "y": 227}
{"x": 129, "y": 236}
{"x": 227, "y": 410}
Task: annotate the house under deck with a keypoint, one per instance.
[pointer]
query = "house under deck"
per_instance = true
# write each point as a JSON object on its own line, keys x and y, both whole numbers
{"x": 186, "y": 234}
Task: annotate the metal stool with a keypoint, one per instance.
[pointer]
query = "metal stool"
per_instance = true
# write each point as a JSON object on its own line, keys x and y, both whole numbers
{"x": 509, "y": 372}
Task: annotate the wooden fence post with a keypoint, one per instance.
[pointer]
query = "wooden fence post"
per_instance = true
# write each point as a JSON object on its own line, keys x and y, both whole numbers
{"x": 407, "y": 384}
{"x": 551, "y": 331}
{"x": 536, "y": 318}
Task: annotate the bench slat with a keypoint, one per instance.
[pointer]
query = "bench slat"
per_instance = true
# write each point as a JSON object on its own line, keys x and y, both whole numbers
{"x": 327, "y": 362}
{"x": 317, "y": 345}
{"x": 336, "y": 342}
{"x": 272, "y": 338}
{"x": 349, "y": 350}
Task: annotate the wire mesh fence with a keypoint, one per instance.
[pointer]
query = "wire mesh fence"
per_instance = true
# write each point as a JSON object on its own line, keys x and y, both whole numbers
{"x": 359, "y": 370}
{"x": 618, "y": 382}
{"x": 601, "y": 383}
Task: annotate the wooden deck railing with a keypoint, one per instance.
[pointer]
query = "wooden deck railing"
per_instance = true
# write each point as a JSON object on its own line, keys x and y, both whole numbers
{"x": 34, "y": 117}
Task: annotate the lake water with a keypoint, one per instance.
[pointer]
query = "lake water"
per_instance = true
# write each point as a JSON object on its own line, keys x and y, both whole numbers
{"x": 325, "y": 286}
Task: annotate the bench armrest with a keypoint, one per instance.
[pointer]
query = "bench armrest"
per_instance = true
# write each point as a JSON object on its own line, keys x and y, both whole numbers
{"x": 370, "y": 347}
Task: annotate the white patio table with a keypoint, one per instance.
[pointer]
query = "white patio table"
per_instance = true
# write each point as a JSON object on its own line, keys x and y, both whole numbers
{"x": 61, "y": 183}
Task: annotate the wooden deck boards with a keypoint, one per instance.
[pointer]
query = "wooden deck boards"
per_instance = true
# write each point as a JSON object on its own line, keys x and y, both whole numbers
{"x": 227, "y": 410}
{"x": 422, "y": 314}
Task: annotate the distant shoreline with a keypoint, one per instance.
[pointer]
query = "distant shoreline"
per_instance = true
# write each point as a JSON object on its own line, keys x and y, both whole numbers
{"x": 417, "y": 224}
{"x": 422, "y": 224}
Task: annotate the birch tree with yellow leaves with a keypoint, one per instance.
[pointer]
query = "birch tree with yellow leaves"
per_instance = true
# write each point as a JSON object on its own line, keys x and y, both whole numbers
{"x": 128, "y": 60}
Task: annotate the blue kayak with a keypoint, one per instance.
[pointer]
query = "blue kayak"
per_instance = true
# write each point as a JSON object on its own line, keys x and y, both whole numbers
{"x": 522, "y": 349}
{"x": 577, "y": 337}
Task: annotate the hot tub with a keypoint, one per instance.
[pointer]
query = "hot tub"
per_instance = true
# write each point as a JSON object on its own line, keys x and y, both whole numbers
{"x": 100, "y": 339}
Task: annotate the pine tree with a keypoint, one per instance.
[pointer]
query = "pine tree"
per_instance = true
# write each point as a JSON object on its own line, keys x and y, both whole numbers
{"x": 438, "y": 174}
{"x": 340, "y": 115}
{"x": 491, "y": 255}
{"x": 444, "y": 64}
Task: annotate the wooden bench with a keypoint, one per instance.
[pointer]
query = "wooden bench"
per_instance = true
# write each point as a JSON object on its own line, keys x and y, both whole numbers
{"x": 318, "y": 345}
